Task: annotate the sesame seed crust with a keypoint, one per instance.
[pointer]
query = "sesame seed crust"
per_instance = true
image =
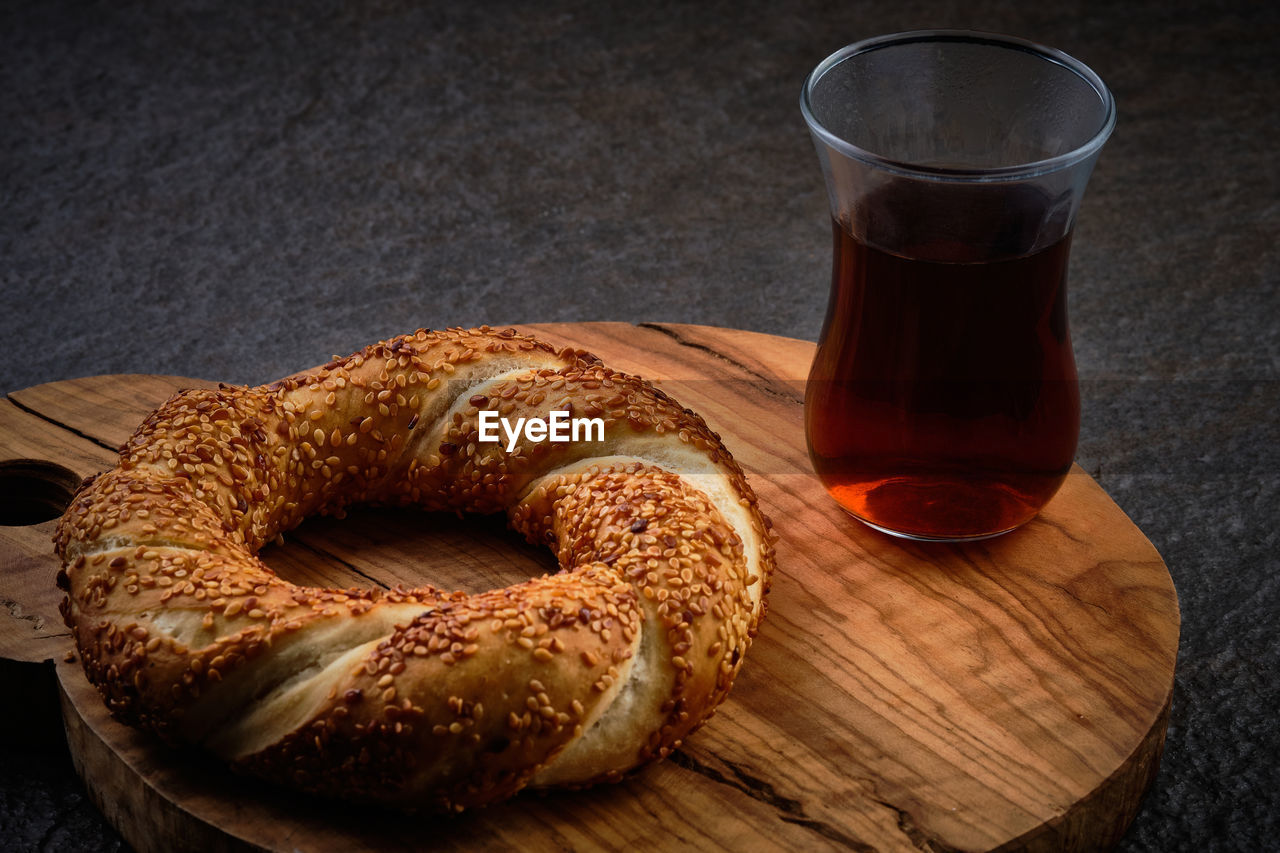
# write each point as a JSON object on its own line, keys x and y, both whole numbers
{"x": 420, "y": 698}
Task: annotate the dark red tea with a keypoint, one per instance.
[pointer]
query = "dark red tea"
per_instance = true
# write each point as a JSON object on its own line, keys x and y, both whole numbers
{"x": 943, "y": 400}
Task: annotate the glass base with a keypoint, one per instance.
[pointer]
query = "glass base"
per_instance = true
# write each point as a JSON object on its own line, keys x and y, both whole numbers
{"x": 916, "y": 537}
{"x": 942, "y": 508}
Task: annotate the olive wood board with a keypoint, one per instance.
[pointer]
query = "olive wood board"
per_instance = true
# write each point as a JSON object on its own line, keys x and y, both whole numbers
{"x": 1006, "y": 694}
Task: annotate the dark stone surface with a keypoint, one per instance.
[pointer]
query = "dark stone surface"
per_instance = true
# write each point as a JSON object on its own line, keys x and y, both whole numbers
{"x": 233, "y": 192}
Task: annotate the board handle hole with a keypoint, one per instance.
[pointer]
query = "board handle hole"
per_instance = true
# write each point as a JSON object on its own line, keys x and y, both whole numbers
{"x": 32, "y": 491}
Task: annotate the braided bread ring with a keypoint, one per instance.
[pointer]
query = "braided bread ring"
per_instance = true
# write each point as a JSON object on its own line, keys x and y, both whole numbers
{"x": 420, "y": 698}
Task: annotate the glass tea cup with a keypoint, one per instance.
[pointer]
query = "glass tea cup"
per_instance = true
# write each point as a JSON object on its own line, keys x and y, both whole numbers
{"x": 943, "y": 401}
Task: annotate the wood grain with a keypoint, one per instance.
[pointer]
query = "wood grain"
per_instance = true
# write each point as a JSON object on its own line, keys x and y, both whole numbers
{"x": 1008, "y": 694}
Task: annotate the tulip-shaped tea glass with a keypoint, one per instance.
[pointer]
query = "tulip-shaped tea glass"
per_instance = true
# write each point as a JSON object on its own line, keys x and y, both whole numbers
{"x": 943, "y": 401}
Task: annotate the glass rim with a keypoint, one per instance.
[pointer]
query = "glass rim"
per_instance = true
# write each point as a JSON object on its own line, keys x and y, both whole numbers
{"x": 937, "y": 173}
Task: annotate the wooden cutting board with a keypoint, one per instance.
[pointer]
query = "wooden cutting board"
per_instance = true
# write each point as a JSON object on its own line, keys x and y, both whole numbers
{"x": 1006, "y": 694}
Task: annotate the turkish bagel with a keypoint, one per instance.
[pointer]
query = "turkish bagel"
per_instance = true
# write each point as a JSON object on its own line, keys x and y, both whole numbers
{"x": 420, "y": 698}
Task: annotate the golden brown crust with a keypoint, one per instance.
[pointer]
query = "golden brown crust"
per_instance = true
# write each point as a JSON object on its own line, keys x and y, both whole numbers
{"x": 420, "y": 698}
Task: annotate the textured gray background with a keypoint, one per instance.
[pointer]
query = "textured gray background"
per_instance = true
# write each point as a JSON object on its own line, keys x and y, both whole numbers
{"x": 231, "y": 192}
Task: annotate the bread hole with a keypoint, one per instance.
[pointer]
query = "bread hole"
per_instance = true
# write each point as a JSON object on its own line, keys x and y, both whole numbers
{"x": 386, "y": 547}
{"x": 33, "y": 490}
